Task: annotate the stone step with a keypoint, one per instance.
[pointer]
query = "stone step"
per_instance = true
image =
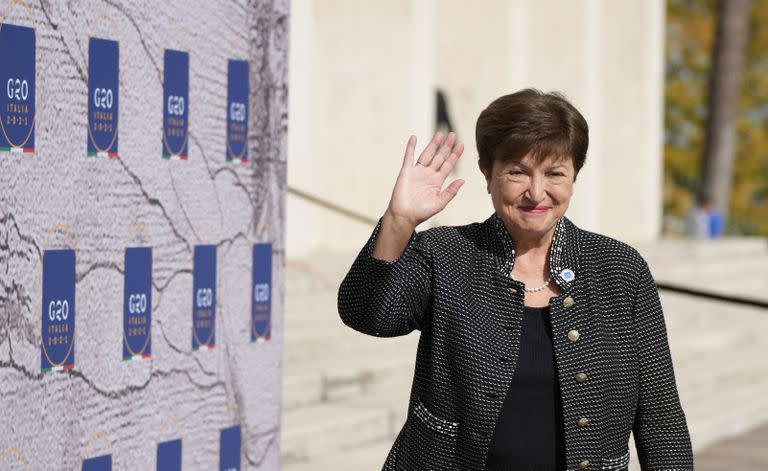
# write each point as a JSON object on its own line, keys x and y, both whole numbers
{"x": 368, "y": 456}
{"x": 323, "y": 272}
{"x": 306, "y": 386}
{"x": 706, "y": 426}
{"x": 346, "y": 347}
{"x": 727, "y": 412}
{"x": 324, "y": 429}
{"x": 690, "y": 250}
{"x": 738, "y": 396}
{"x": 345, "y": 394}
{"x": 333, "y": 426}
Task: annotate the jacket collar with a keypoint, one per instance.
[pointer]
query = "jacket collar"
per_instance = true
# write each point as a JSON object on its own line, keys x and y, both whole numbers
{"x": 563, "y": 253}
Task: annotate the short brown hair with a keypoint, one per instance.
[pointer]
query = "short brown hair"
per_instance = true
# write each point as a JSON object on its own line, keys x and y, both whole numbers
{"x": 530, "y": 121}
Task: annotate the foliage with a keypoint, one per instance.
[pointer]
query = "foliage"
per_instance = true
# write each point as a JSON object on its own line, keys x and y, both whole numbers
{"x": 691, "y": 29}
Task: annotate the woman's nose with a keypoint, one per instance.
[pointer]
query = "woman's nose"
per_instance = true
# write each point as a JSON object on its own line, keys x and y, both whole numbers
{"x": 535, "y": 190}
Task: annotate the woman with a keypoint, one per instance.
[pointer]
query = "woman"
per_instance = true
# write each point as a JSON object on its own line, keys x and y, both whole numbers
{"x": 542, "y": 345}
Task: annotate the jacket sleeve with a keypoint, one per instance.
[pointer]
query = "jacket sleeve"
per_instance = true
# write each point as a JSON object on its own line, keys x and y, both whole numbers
{"x": 388, "y": 299}
{"x": 660, "y": 429}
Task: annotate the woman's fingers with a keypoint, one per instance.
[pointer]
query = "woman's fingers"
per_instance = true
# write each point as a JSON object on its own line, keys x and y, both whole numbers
{"x": 426, "y": 155}
{"x": 409, "y": 148}
{"x": 443, "y": 152}
{"x": 450, "y": 162}
{"x": 448, "y": 193}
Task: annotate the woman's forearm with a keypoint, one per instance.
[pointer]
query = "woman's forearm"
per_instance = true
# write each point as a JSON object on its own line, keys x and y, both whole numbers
{"x": 393, "y": 238}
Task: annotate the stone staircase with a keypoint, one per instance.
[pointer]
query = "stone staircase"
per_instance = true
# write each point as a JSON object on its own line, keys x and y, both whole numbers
{"x": 345, "y": 394}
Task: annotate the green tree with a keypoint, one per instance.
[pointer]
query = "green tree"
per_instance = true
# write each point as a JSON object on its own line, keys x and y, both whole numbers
{"x": 690, "y": 39}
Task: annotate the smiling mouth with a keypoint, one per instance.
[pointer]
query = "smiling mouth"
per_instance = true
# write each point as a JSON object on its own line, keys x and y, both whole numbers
{"x": 531, "y": 209}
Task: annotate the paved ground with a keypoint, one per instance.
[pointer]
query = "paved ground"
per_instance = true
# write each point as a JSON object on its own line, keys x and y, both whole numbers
{"x": 745, "y": 452}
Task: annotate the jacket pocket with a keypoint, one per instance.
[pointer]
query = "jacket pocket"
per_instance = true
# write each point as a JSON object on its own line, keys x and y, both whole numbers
{"x": 429, "y": 442}
{"x": 616, "y": 464}
{"x": 434, "y": 422}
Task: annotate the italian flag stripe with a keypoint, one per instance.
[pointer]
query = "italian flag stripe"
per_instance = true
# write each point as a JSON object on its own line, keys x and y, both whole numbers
{"x": 18, "y": 150}
{"x": 111, "y": 155}
{"x": 137, "y": 357}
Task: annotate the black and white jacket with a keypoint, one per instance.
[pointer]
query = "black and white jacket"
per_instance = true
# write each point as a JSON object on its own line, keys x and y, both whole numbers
{"x": 608, "y": 330}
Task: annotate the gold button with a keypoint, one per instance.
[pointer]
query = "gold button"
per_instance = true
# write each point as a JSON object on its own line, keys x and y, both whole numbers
{"x": 581, "y": 377}
{"x": 573, "y": 335}
{"x": 584, "y": 464}
{"x": 583, "y": 422}
{"x": 568, "y": 302}
{"x": 512, "y": 290}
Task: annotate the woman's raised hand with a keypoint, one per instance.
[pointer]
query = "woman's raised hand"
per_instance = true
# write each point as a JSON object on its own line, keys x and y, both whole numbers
{"x": 418, "y": 194}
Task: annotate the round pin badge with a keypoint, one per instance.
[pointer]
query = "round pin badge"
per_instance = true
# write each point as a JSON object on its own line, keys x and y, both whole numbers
{"x": 567, "y": 275}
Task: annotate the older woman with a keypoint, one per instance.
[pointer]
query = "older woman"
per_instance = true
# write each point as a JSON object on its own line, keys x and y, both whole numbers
{"x": 542, "y": 345}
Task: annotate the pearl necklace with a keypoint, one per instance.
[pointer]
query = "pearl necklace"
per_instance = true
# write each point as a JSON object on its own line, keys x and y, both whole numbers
{"x": 533, "y": 290}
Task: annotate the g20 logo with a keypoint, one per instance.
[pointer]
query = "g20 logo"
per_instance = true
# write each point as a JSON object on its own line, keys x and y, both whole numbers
{"x": 176, "y": 105}
{"x": 103, "y": 98}
{"x": 137, "y": 303}
{"x": 204, "y": 297}
{"x": 58, "y": 310}
{"x": 17, "y": 89}
{"x": 237, "y": 112}
{"x": 261, "y": 292}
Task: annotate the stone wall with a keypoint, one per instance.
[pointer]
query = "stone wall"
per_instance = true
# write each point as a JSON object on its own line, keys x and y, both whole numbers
{"x": 59, "y": 198}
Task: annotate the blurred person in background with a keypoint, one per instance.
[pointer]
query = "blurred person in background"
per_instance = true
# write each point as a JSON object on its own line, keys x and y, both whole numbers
{"x": 704, "y": 221}
{"x": 542, "y": 345}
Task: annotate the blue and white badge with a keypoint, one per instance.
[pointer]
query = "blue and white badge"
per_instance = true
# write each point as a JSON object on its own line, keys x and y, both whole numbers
{"x": 169, "y": 456}
{"x": 204, "y": 298}
{"x": 58, "y": 333}
{"x": 237, "y": 111}
{"x": 261, "y": 311}
{"x": 175, "y": 104}
{"x": 103, "y": 97}
{"x": 567, "y": 275}
{"x": 137, "y": 303}
{"x": 17, "y": 99}
{"x": 229, "y": 449}
{"x": 100, "y": 463}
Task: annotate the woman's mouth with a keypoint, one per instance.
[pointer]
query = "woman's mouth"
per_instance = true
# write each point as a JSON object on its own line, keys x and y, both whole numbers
{"x": 534, "y": 209}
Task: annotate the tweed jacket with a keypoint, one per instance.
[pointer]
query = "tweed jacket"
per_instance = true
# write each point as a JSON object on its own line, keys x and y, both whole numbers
{"x": 611, "y": 351}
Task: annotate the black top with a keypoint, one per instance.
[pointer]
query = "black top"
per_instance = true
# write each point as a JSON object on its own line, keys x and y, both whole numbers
{"x": 529, "y": 434}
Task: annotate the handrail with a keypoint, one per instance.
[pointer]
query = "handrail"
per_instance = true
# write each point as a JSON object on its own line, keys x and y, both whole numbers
{"x": 660, "y": 285}
{"x": 713, "y": 296}
{"x": 331, "y": 206}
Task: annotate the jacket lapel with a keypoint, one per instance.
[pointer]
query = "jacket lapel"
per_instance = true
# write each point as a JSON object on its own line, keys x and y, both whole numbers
{"x": 563, "y": 253}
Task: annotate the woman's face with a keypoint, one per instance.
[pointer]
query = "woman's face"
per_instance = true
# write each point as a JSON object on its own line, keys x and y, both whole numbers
{"x": 530, "y": 198}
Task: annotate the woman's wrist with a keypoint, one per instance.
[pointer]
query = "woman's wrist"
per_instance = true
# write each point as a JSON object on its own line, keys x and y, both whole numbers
{"x": 393, "y": 237}
{"x": 398, "y": 224}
